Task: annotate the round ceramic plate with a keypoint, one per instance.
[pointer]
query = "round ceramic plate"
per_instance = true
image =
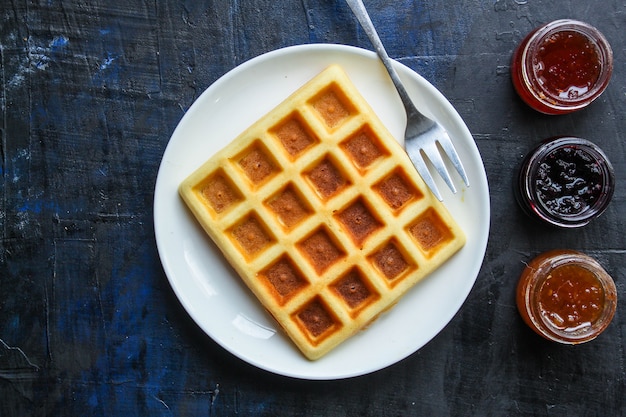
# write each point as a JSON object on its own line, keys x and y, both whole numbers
{"x": 213, "y": 294}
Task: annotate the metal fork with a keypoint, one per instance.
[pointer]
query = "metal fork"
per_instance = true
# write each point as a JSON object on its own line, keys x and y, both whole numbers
{"x": 422, "y": 134}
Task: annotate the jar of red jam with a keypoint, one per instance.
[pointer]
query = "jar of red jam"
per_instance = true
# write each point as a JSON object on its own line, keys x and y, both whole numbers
{"x": 565, "y": 182}
{"x": 566, "y": 296}
{"x": 562, "y": 66}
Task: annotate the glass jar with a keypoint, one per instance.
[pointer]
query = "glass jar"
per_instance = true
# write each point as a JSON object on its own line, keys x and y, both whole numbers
{"x": 566, "y": 296}
{"x": 565, "y": 182}
{"x": 562, "y": 66}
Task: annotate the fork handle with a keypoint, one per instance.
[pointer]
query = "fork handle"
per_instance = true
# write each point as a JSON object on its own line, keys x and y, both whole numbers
{"x": 359, "y": 10}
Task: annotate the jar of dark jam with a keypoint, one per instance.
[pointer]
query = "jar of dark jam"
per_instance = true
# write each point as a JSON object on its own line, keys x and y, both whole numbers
{"x": 562, "y": 66}
{"x": 566, "y": 296}
{"x": 565, "y": 182}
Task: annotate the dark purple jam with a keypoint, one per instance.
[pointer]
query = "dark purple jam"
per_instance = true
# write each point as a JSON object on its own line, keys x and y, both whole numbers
{"x": 569, "y": 181}
{"x": 565, "y": 182}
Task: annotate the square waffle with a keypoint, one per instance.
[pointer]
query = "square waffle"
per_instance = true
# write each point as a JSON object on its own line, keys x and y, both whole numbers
{"x": 322, "y": 214}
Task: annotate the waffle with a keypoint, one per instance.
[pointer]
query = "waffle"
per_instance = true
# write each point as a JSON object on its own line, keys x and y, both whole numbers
{"x": 322, "y": 214}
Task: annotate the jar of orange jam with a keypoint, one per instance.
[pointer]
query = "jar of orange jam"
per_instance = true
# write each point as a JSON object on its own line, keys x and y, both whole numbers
{"x": 562, "y": 66}
{"x": 566, "y": 296}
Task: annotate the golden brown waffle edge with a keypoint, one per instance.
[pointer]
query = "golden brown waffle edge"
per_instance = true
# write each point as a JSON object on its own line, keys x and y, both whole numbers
{"x": 321, "y": 213}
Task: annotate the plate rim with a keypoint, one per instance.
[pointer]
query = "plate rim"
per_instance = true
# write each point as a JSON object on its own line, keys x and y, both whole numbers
{"x": 404, "y": 71}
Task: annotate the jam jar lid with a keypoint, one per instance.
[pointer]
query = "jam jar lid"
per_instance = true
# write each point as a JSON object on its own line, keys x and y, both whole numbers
{"x": 562, "y": 66}
{"x": 565, "y": 182}
{"x": 566, "y": 296}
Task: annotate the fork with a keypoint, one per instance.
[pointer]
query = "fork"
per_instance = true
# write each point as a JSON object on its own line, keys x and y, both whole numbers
{"x": 423, "y": 136}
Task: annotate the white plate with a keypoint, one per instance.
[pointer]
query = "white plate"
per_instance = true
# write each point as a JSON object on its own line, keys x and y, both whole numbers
{"x": 213, "y": 294}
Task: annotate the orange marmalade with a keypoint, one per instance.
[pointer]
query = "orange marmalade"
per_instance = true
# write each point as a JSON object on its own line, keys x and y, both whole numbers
{"x": 566, "y": 296}
{"x": 570, "y": 298}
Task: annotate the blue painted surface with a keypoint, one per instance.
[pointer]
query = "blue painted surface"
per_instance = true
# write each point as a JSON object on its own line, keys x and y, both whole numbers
{"x": 90, "y": 94}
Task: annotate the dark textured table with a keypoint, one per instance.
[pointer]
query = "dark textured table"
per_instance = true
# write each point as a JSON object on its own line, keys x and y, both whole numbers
{"x": 90, "y": 93}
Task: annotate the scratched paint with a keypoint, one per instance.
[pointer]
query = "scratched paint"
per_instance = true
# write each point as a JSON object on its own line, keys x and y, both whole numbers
{"x": 106, "y": 63}
{"x": 59, "y": 42}
{"x": 13, "y": 359}
{"x": 37, "y": 57}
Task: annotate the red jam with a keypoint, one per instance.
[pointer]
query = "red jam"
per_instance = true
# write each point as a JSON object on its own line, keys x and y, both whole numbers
{"x": 567, "y": 64}
{"x": 566, "y": 296}
{"x": 562, "y": 66}
{"x": 566, "y": 182}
